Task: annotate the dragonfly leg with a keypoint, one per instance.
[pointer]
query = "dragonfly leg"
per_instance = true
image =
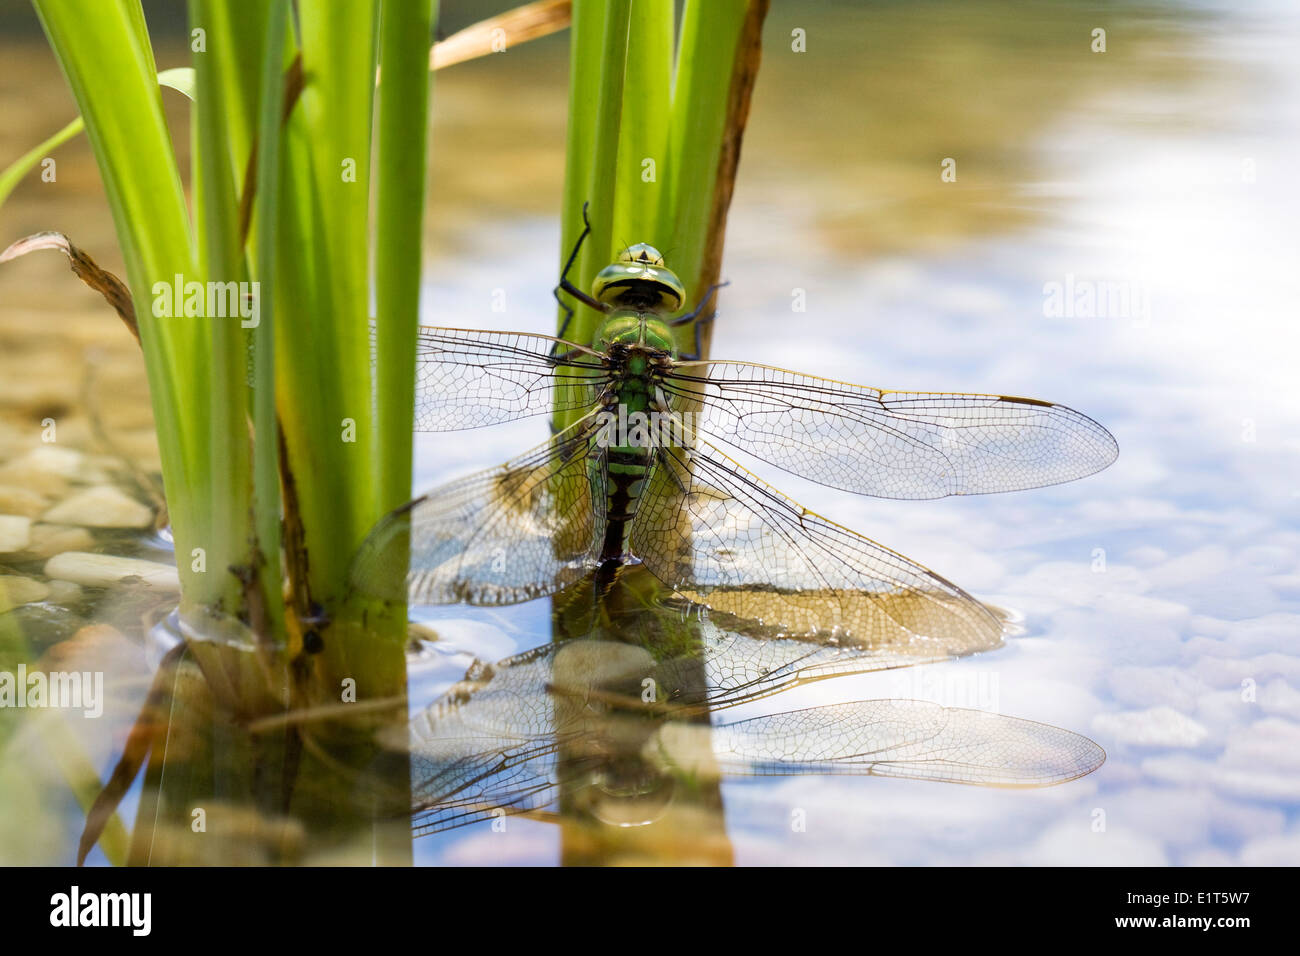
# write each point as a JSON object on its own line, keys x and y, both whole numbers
{"x": 569, "y": 287}
{"x": 694, "y": 313}
{"x": 693, "y": 316}
{"x": 699, "y": 345}
{"x": 586, "y": 230}
{"x": 581, "y": 296}
{"x": 568, "y": 317}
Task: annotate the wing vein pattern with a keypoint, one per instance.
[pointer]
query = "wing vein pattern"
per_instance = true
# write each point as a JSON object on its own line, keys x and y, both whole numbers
{"x": 890, "y": 444}
{"x": 522, "y": 530}
{"x": 467, "y": 378}
{"x": 720, "y": 536}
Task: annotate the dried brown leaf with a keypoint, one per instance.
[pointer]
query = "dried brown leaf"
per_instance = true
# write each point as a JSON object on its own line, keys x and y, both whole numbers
{"x": 101, "y": 280}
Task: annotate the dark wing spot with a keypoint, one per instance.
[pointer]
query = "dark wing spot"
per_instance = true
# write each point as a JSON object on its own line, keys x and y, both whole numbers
{"x": 1025, "y": 401}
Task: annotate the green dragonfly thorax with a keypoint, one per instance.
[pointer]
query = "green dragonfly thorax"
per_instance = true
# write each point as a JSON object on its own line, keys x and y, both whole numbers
{"x": 632, "y": 333}
{"x": 638, "y": 281}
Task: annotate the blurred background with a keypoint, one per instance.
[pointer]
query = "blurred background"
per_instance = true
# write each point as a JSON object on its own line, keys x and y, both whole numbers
{"x": 1119, "y": 237}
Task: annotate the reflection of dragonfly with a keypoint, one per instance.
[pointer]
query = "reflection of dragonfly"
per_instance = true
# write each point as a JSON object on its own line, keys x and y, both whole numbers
{"x": 615, "y": 723}
{"x": 696, "y": 519}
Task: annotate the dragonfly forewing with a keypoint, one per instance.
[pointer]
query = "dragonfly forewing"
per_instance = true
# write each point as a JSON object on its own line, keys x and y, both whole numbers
{"x": 891, "y": 444}
{"x": 467, "y": 378}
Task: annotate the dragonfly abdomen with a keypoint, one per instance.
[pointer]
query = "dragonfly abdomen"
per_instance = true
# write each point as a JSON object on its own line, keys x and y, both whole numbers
{"x": 627, "y": 468}
{"x": 627, "y": 436}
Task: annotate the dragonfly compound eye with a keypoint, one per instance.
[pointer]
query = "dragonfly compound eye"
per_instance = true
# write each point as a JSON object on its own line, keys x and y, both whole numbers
{"x": 639, "y": 280}
{"x": 643, "y": 254}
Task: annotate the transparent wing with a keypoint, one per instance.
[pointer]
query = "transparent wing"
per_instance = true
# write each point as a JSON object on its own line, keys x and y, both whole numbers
{"x": 512, "y": 701}
{"x": 916, "y": 739}
{"x": 466, "y": 378}
{"x": 741, "y": 669}
{"x": 722, "y": 537}
{"x": 891, "y": 444}
{"x": 516, "y": 532}
{"x": 512, "y": 734}
{"x": 456, "y": 783}
{"x": 486, "y": 746}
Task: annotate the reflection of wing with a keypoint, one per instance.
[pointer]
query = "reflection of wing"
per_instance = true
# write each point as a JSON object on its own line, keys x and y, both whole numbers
{"x": 485, "y": 747}
{"x": 471, "y": 786}
{"x": 891, "y": 444}
{"x": 720, "y": 536}
{"x": 916, "y": 739}
{"x": 493, "y": 741}
{"x": 741, "y": 669}
{"x": 515, "y": 532}
{"x": 468, "y": 378}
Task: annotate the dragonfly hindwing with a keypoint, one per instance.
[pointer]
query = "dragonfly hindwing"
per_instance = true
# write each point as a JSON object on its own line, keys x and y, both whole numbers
{"x": 722, "y": 537}
{"x": 522, "y": 530}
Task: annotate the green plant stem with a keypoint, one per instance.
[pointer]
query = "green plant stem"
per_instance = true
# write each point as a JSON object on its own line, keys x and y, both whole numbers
{"x": 129, "y": 137}
{"x": 705, "y": 62}
{"x": 586, "y": 35}
{"x": 596, "y": 251}
{"x": 399, "y": 222}
{"x": 323, "y": 370}
{"x": 266, "y": 445}
{"x": 20, "y": 167}
{"x": 643, "y": 136}
{"x": 221, "y": 259}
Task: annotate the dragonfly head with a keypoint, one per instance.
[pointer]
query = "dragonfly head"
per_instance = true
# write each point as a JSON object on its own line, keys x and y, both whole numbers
{"x": 640, "y": 281}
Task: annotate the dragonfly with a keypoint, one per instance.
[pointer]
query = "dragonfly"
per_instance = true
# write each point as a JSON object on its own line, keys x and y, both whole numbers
{"x": 607, "y": 721}
{"x": 637, "y": 476}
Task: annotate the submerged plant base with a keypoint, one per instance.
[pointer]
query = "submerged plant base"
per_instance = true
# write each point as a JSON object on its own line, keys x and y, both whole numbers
{"x": 248, "y": 760}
